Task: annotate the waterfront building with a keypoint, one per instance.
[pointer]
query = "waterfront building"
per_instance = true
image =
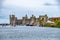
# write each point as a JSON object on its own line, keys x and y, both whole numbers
{"x": 53, "y": 19}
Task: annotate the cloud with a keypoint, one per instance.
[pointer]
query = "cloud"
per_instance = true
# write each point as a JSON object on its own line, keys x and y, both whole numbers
{"x": 2, "y": 17}
{"x": 48, "y": 4}
{"x": 27, "y": 3}
{"x": 29, "y": 7}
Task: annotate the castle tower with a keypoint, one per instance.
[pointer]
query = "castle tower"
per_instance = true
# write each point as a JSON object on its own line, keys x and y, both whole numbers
{"x": 24, "y": 20}
{"x": 26, "y": 16}
{"x": 33, "y": 19}
{"x": 43, "y": 19}
{"x": 12, "y": 20}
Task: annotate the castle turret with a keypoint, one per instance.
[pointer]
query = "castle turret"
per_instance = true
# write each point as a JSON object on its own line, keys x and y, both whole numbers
{"x": 43, "y": 19}
{"x": 24, "y": 20}
{"x": 12, "y": 20}
{"x": 26, "y": 17}
{"x": 33, "y": 19}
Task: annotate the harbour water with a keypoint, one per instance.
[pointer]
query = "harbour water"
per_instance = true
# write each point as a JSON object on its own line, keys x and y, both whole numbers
{"x": 29, "y": 33}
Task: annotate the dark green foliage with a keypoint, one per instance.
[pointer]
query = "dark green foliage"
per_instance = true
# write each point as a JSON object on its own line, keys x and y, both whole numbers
{"x": 58, "y": 23}
{"x": 48, "y": 24}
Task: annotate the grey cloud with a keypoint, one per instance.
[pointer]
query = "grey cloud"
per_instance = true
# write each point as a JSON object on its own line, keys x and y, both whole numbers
{"x": 49, "y": 4}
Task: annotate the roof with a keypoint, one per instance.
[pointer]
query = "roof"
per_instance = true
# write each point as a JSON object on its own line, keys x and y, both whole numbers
{"x": 49, "y": 21}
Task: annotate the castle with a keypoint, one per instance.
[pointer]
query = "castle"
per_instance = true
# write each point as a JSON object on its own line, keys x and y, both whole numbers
{"x": 25, "y": 20}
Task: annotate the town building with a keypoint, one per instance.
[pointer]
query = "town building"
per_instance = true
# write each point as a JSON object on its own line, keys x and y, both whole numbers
{"x": 53, "y": 19}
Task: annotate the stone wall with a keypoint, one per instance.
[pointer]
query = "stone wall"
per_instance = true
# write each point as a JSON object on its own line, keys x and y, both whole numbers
{"x": 32, "y": 21}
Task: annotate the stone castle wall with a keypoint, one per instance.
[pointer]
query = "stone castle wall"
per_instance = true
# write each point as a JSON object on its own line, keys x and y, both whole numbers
{"x": 32, "y": 21}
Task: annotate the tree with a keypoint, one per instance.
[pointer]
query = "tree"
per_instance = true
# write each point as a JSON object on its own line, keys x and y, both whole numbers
{"x": 41, "y": 22}
{"x": 58, "y": 23}
{"x": 48, "y": 24}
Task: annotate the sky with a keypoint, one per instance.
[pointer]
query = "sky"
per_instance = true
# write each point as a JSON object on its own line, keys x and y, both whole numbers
{"x": 22, "y": 7}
